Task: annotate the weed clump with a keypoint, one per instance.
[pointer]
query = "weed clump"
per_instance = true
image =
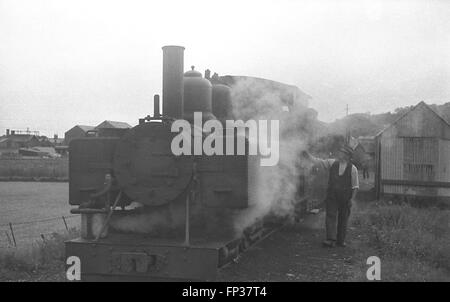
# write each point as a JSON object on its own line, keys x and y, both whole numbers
{"x": 409, "y": 238}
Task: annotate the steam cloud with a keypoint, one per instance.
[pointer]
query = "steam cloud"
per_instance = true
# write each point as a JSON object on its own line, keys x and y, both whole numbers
{"x": 155, "y": 221}
{"x": 274, "y": 189}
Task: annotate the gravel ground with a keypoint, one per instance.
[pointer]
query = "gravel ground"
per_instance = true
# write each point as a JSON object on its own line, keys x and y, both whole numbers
{"x": 294, "y": 253}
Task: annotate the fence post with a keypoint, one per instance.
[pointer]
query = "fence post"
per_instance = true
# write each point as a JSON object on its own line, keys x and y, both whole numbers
{"x": 65, "y": 223}
{"x": 9, "y": 238}
{"x": 12, "y": 233}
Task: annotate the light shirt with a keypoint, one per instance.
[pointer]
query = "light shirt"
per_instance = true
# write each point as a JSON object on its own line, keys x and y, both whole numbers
{"x": 327, "y": 163}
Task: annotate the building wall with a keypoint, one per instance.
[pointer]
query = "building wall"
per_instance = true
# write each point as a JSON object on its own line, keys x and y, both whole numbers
{"x": 391, "y": 160}
{"x": 444, "y": 166}
{"x": 414, "y": 150}
{"x": 415, "y": 159}
{"x": 75, "y": 132}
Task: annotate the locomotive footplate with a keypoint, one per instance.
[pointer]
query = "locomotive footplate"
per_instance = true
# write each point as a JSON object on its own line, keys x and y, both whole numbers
{"x": 126, "y": 257}
{"x": 120, "y": 257}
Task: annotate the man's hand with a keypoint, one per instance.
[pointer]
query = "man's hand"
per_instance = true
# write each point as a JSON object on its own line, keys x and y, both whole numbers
{"x": 353, "y": 198}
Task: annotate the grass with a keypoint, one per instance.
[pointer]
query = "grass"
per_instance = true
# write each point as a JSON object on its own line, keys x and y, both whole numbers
{"x": 412, "y": 243}
{"x": 27, "y": 204}
{"x": 41, "y": 261}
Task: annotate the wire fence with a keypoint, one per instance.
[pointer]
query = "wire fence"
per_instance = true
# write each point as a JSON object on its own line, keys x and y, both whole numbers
{"x": 18, "y": 234}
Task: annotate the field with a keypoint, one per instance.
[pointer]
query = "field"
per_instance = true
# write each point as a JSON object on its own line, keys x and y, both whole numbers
{"x": 27, "y": 169}
{"x": 33, "y": 208}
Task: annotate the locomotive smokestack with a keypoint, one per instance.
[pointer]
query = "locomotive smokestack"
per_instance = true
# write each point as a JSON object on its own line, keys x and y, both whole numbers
{"x": 173, "y": 89}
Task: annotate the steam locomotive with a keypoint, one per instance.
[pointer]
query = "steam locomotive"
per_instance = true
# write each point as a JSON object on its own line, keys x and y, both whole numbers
{"x": 147, "y": 214}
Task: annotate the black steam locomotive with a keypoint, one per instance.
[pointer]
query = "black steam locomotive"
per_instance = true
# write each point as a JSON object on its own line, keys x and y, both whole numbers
{"x": 147, "y": 214}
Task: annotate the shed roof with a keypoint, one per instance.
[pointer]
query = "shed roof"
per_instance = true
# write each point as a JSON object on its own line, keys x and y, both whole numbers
{"x": 421, "y": 104}
{"x": 85, "y": 128}
{"x": 113, "y": 124}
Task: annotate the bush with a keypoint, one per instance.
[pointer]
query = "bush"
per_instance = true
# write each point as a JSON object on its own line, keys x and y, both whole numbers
{"x": 30, "y": 168}
{"x": 45, "y": 255}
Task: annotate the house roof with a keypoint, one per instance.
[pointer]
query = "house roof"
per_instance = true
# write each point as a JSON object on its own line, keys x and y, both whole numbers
{"x": 113, "y": 124}
{"x": 44, "y": 149}
{"x": 18, "y": 138}
{"x": 85, "y": 128}
{"x": 39, "y": 151}
{"x": 419, "y": 105}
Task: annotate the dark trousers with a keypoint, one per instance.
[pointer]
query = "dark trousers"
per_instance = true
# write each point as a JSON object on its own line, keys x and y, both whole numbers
{"x": 337, "y": 214}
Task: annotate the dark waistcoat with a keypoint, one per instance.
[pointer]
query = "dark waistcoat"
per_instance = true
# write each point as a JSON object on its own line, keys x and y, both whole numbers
{"x": 340, "y": 186}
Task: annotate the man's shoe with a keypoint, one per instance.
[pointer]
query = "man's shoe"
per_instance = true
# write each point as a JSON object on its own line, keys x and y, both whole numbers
{"x": 328, "y": 243}
{"x": 341, "y": 244}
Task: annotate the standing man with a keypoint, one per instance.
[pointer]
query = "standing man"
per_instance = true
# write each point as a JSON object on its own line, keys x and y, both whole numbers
{"x": 343, "y": 184}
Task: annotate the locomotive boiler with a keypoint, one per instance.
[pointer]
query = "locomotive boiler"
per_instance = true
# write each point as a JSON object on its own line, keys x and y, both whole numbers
{"x": 148, "y": 214}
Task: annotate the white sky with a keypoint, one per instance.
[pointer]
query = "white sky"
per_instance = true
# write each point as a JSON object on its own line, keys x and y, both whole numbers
{"x": 80, "y": 62}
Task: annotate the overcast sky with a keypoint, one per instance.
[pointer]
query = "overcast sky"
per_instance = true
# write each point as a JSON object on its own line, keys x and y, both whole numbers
{"x": 80, "y": 62}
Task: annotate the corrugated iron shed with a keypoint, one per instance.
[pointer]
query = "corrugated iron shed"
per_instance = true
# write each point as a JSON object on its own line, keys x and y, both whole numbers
{"x": 412, "y": 155}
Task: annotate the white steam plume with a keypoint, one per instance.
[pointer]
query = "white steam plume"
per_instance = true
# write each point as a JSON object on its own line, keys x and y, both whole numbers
{"x": 275, "y": 188}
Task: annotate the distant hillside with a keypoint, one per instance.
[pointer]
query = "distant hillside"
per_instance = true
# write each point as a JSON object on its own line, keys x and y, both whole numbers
{"x": 363, "y": 124}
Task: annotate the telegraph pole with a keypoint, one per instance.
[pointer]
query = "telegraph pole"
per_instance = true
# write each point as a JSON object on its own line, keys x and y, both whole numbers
{"x": 347, "y": 135}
